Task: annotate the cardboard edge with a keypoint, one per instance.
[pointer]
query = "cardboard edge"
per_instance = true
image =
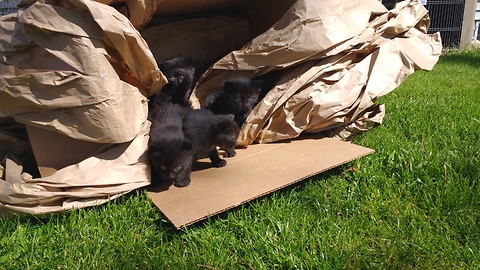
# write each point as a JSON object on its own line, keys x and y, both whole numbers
{"x": 178, "y": 227}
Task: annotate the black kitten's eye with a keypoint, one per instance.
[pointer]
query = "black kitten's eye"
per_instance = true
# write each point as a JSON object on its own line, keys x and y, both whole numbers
{"x": 177, "y": 168}
{"x": 237, "y": 98}
{"x": 163, "y": 168}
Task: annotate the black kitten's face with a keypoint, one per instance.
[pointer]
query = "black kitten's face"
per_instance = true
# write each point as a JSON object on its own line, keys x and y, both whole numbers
{"x": 225, "y": 133}
{"x": 244, "y": 100}
{"x": 238, "y": 97}
{"x": 172, "y": 162}
{"x": 168, "y": 167}
{"x": 244, "y": 93}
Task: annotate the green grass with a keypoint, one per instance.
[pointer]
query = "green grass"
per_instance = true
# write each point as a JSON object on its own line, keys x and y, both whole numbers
{"x": 413, "y": 204}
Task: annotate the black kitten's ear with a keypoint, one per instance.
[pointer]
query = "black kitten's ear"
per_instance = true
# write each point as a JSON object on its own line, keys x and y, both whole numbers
{"x": 187, "y": 62}
{"x": 210, "y": 99}
{"x": 229, "y": 116}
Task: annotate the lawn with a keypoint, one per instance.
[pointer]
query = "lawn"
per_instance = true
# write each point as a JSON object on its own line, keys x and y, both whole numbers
{"x": 414, "y": 203}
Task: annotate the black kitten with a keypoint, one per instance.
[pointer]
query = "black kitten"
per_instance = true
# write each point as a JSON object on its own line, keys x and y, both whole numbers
{"x": 169, "y": 151}
{"x": 180, "y": 74}
{"x": 206, "y": 131}
{"x": 238, "y": 97}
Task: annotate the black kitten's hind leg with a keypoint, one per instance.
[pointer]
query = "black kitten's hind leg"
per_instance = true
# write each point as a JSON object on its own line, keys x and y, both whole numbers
{"x": 229, "y": 152}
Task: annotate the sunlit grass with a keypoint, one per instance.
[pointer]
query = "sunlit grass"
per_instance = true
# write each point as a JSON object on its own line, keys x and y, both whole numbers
{"x": 414, "y": 203}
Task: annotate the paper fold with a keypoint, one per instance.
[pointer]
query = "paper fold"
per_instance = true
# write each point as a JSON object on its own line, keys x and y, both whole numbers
{"x": 337, "y": 58}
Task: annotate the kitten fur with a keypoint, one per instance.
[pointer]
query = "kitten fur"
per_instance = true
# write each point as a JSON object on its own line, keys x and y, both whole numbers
{"x": 207, "y": 131}
{"x": 170, "y": 152}
{"x": 238, "y": 97}
{"x": 180, "y": 73}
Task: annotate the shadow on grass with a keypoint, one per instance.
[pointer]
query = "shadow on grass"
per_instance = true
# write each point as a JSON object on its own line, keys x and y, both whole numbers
{"x": 471, "y": 58}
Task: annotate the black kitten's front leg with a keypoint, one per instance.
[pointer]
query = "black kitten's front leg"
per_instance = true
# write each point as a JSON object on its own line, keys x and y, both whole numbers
{"x": 182, "y": 182}
{"x": 216, "y": 160}
{"x": 183, "y": 178}
{"x": 155, "y": 176}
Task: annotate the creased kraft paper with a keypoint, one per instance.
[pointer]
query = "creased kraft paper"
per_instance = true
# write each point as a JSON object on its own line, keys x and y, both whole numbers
{"x": 76, "y": 67}
{"x": 79, "y": 68}
{"x": 114, "y": 172}
{"x": 336, "y": 58}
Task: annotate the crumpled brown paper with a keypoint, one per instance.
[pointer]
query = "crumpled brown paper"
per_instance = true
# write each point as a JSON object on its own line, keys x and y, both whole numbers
{"x": 139, "y": 12}
{"x": 80, "y": 68}
{"x": 95, "y": 180}
{"x": 337, "y": 58}
{"x": 76, "y": 67}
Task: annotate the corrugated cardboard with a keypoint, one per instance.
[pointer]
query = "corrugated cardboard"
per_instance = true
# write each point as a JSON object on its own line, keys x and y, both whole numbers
{"x": 48, "y": 146}
{"x": 205, "y": 39}
{"x": 253, "y": 172}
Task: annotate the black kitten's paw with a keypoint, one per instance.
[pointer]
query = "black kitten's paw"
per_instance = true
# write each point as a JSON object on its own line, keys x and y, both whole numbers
{"x": 182, "y": 182}
{"x": 230, "y": 153}
{"x": 219, "y": 163}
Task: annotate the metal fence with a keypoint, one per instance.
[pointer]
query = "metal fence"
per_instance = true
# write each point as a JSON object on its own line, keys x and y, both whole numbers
{"x": 446, "y": 17}
{"x": 8, "y": 6}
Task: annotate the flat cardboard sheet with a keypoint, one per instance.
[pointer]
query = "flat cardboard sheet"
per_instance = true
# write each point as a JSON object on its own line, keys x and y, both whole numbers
{"x": 253, "y": 172}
